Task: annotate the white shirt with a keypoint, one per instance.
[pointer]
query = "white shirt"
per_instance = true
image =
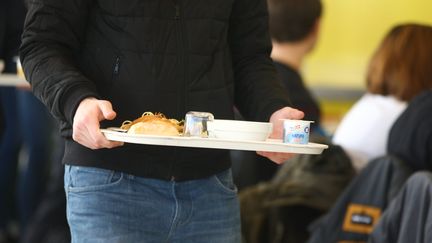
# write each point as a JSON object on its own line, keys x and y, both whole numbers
{"x": 363, "y": 131}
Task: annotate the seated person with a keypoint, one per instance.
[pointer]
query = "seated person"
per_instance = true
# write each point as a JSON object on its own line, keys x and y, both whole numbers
{"x": 356, "y": 212}
{"x": 408, "y": 218}
{"x": 398, "y": 71}
{"x": 410, "y": 137}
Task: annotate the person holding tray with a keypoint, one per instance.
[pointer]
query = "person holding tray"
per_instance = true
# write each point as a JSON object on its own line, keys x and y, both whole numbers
{"x": 95, "y": 64}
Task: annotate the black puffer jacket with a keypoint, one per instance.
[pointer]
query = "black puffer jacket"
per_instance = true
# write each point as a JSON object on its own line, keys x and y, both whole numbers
{"x": 169, "y": 56}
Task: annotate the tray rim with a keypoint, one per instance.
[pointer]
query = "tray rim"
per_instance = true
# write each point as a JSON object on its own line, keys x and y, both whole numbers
{"x": 271, "y": 145}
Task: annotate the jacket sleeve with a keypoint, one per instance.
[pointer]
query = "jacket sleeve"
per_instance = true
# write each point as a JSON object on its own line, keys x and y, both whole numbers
{"x": 258, "y": 91}
{"x": 54, "y": 32}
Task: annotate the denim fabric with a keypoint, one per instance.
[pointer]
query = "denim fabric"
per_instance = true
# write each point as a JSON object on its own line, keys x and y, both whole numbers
{"x": 109, "y": 206}
{"x": 37, "y": 128}
{"x": 10, "y": 144}
{"x": 30, "y": 127}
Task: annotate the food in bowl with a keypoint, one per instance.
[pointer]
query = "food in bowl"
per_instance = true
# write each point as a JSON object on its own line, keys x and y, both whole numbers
{"x": 239, "y": 130}
{"x": 153, "y": 124}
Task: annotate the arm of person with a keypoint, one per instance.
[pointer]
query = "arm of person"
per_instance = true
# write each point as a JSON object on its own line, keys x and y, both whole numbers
{"x": 54, "y": 32}
{"x": 258, "y": 90}
{"x": 259, "y": 94}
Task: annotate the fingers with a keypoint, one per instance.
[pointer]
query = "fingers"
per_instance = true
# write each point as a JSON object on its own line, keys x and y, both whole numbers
{"x": 287, "y": 113}
{"x": 277, "y": 120}
{"x": 296, "y": 114}
{"x": 107, "y": 110}
{"x": 276, "y": 157}
{"x": 96, "y": 140}
{"x": 86, "y": 128}
{"x": 89, "y": 135}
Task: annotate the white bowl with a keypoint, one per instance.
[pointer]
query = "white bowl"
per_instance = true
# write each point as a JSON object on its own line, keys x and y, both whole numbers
{"x": 239, "y": 130}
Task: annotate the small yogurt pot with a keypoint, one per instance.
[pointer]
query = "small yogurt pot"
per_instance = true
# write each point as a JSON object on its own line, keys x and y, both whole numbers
{"x": 296, "y": 131}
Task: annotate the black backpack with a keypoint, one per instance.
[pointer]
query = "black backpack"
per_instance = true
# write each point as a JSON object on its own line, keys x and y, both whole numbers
{"x": 303, "y": 189}
{"x": 358, "y": 209}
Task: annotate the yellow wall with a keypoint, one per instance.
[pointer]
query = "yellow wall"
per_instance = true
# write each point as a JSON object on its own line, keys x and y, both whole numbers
{"x": 350, "y": 32}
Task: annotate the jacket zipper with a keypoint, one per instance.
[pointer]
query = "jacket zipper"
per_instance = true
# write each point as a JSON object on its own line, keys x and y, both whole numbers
{"x": 182, "y": 55}
{"x": 177, "y": 10}
{"x": 181, "y": 101}
{"x": 116, "y": 68}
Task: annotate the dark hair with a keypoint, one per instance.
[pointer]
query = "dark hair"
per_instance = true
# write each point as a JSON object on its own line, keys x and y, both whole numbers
{"x": 402, "y": 64}
{"x": 292, "y": 20}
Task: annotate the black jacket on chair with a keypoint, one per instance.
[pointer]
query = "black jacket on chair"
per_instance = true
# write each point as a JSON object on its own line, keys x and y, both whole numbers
{"x": 408, "y": 218}
{"x": 360, "y": 206}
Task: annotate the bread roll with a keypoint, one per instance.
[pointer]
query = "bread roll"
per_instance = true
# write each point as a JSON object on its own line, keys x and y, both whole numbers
{"x": 154, "y": 127}
{"x": 153, "y": 124}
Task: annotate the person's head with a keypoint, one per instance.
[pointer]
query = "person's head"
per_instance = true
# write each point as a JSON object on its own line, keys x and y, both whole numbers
{"x": 293, "y": 20}
{"x": 401, "y": 66}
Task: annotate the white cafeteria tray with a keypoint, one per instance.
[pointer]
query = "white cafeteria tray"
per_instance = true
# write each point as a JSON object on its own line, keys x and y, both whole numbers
{"x": 271, "y": 145}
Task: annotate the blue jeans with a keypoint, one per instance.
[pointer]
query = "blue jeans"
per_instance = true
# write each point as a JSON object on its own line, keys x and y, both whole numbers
{"x": 29, "y": 126}
{"x": 10, "y": 144}
{"x": 109, "y": 206}
{"x": 37, "y": 131}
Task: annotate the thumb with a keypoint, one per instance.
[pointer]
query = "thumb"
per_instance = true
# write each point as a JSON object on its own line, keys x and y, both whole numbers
{"x": 297, "y": 114}
{"x": 107, "y": 110}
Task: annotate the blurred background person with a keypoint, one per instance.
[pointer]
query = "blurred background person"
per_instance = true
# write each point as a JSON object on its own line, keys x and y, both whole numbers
{"x": 11, "y": 21}
{"x": 38, "y": 132}
{"x": 378, "y": 190}
{"x": 398, "y": 71}
{"x": 294, "y": 29}
{"x": 410, "y": 137}
{"x": 1, "y": 121}
{"x": 408, "y": 218}
{"x": 26, "y": 145}
{"x": 48, "y": 223}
